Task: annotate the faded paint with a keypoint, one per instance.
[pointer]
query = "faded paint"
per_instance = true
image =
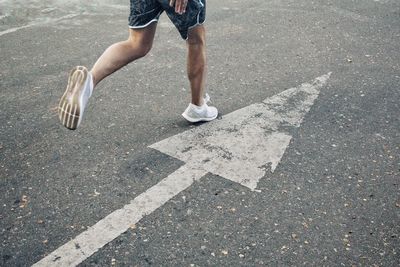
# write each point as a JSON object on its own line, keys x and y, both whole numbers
{"x": 244, "y": 142}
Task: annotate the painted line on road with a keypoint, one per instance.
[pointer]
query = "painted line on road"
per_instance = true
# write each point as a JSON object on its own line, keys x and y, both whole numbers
{"x": 69, "y": 16}
{"x": 243, "y": 147}
{"x": 249, "y": 142}
{"x": 118, "y": 222}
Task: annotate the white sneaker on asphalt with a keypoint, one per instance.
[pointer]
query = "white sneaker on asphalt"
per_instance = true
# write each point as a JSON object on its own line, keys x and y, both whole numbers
{"x": 195, "y": 113}
{"x": 74, "y": 100}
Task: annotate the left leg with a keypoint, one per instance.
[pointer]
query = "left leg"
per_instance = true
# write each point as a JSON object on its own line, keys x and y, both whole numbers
{"x": 196, "y": 63}
{"x": 189, "y": 24}
{"x": 198, "y": 110}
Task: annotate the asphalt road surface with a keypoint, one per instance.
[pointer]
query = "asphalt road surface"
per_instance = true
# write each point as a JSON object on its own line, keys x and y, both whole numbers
{"x": 331, "y": 197}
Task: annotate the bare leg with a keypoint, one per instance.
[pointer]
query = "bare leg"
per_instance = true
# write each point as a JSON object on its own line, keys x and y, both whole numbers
{"x": 120, "y": 54}
{"x": 196, "y": 63}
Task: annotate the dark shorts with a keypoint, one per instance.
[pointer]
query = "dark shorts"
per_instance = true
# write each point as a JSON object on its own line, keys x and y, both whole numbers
{"x": 144, "y": 12}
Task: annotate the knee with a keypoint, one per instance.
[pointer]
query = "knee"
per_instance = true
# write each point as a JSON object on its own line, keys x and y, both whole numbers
{"x": 140, "y": 47}
{"x": 196, "y": 36}
{"x": 144, "y": 50}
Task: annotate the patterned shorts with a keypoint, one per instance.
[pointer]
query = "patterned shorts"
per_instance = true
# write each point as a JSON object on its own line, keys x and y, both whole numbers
{"x": 144, "y": 12}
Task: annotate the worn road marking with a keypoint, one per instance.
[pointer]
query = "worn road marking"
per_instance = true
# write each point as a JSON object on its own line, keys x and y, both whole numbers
{"x": 247, "y": 142}
{"x": 69, "y": 16}
{"x": 109, "y": 228}
{"x": 243, "y": 147}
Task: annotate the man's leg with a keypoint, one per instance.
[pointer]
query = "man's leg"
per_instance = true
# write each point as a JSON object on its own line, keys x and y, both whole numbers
{"x": 197, "y": 110}
{"x": 120, "y": 54}
{"x": 196, "y": 63}
{"x": 81, "y": 82}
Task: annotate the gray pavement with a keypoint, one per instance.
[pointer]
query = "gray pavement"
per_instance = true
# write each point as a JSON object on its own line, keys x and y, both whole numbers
{"x": 333, "y": 200}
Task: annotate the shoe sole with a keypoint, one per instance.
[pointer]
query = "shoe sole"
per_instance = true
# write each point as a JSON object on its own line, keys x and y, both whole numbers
{"x": 199, "y": 119}
{"x": 69, "y": 108}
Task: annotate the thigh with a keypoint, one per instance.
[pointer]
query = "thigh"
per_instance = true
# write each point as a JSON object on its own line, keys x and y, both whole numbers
{"x": 143, "y": 36}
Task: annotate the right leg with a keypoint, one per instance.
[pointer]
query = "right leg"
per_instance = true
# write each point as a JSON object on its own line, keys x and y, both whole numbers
{"x": 120, "y": 54}
{"x": 81, "y": 82}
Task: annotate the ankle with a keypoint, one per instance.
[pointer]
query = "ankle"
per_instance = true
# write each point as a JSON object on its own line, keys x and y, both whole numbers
{"x": 198, "y": 103}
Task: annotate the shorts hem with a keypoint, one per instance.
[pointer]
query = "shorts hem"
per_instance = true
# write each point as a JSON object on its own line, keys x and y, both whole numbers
{"x": 198, "y": 18}
{"x": 143, "y": 26}
{"x": 195, "y": 25}
{"x": 198, "y": 23}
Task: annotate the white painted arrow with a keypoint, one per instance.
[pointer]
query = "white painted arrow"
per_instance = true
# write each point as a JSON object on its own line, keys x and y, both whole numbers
{"x": 242, "y": 147}
{"x": 247, "y": 142}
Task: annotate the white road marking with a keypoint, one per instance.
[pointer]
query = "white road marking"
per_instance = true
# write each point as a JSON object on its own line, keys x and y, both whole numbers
{"x": 69, "y": 16}
{"x": 247, "y": 142}
{"x": 118, "y": 222}
{"x": 242, "y": 147}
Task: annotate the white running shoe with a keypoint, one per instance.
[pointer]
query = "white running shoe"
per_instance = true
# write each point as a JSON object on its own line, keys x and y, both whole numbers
{"x": 74, "y": 100}
{"x": 195, "y": 113}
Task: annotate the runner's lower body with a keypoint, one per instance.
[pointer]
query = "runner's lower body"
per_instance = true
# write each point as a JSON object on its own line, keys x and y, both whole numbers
{"x": 142, "y": 23}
